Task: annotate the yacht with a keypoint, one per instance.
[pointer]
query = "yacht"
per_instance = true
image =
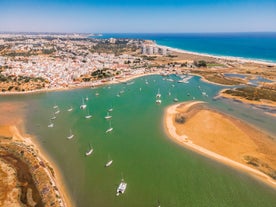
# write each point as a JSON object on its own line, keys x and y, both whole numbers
{"x": 108, "y": 163}
{"x": 57, "y": 111}
{"x": 53, "y": 117}
{"x": 55, "y": 106}
{"x": 71, "y": 135}
{"x": 158, "y": 101}
{"x": 108, "y": 116}
{"x": 89, "y": 152}
{"x": 51, "y": 125}
{"x": 83, "y": 106}
{"x": 121, "y": 188}
{"x": 97, "y": 94}
{"x": 88, "y": 116}
{"x": 70, "y": 109}
{"x": 158, "y": 95}
{"x": 175, "y": 99}
{"x": 109, "y": 129}
{"x": 110, "y": 109}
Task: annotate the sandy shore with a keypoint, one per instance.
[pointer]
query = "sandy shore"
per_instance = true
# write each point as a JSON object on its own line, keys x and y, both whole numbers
{"x": 241, "y": 60}
{"x": 246, "y": 101}
{"x": 222, "y": 138}
{"x": 11, "y": 131}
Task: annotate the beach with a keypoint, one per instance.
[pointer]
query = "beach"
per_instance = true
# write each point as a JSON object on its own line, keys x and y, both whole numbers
{"x": 223, "y": 138}
{"x": 34, "y": 162}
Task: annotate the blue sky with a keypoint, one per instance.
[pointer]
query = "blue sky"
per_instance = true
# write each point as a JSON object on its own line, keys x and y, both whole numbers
{"x": 144, "y": 16}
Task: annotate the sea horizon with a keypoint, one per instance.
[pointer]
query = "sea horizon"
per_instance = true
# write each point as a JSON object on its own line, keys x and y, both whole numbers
{"x": 240, "y": 45}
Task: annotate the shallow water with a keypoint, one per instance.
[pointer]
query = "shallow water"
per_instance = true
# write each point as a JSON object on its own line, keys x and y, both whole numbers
{"x": 154, "y": 167}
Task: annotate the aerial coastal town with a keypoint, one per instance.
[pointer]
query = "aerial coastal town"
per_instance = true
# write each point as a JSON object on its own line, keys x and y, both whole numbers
{"x": 41, "y": 62}
{"x": 56, "y": 61}
{"x": 37, "y": 62}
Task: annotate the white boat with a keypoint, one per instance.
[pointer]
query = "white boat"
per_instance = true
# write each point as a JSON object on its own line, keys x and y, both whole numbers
{"x": 86, "y": 98}
{"x": 158, "y": 95}
{"x": 108, "y": 116}
{"x": 185, "y": 80}
{"x": 55, "y": 106}
{"x": 53, "y": 117}
{"x": 158, "y": 101}
{"x": 88, "y": 116}
{"x": 51, "y": 125}
{"x": 109, "y": 129}
{"x": 89, "y": 152}
{"x": 83, "y": 106}
{"x": 175, "y": 99}
{"x": 57, "y": 112}
{"x": 110, "y": 109}
{"x": 70, "y": 109}
{"x": 97, "y": 94}
{"x": 121, "y": 188}
{"x": 108, "y": 163}
{"x": 71, "y": 135}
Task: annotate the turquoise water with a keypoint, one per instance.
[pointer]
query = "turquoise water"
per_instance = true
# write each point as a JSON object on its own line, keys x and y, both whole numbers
{"x": 256, "y": 46}
{"x": 154, "y": 167}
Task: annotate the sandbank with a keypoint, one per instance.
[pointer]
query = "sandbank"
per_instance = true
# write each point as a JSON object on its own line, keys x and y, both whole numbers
{"x": 222, "y": 138}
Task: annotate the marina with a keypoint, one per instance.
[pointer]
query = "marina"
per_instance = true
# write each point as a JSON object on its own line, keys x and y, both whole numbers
{"x": 141, "y": 149}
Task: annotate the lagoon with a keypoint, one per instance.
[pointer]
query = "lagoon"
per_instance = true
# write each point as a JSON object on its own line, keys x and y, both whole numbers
{"x": 154, "y": 167}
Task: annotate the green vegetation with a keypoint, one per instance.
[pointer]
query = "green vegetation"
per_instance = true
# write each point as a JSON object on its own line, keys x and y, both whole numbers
{"x": 101, "y": 73}
{"x": 253, "y": 93}
{"x": 118, "y": 48}
{"x": 48, "y": 51}
{"x": 200, "y": 63}
{"x": 214, "y": 64}
{"x": 148, "y": 57}
{"x": 217, "y": 78}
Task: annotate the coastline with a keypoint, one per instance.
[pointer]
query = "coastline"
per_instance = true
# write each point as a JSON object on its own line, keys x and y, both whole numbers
{"x": 187, "y": 142}
{"x": 88, "y": 85}
{"x": 230, "y": 58}
{"x": 245, "y": 101}
{"x": 12, "y": 135}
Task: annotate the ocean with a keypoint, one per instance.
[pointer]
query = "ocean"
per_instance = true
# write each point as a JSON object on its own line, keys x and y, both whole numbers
{"x": 253, "y": 46}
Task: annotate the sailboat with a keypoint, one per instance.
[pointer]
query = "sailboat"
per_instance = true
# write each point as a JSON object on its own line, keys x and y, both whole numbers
{"x": 158, "y": 95}
{"x": 108, "y": 116}
{"x": 109, "y": 162}
{"x": 110, "y": 128}
{"x": 53, "y": 117}
{"x": 71, "y": 135}
{"x": 70, "y": 109}
{"x": 89, "y": 152}
{"x": 158, "y": 204}
{"x": 88, "y": 116}
{"x": 83, "y": 106}
{"x": 51, "y": 125}
{"x": 121, "y": 188}
{"x": 57, "y": 111}
{"x": 158, "y": 101}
